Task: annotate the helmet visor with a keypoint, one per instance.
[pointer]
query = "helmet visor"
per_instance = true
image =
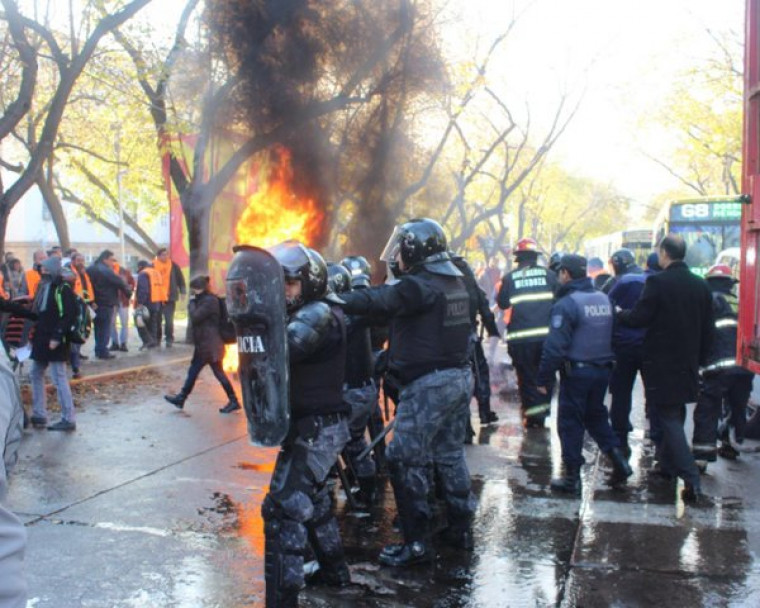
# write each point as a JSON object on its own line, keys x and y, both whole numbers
{"x": 392, "y": 247}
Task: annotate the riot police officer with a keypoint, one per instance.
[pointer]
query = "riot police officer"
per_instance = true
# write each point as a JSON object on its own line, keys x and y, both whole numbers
{"x": 479, "y": 307}
{"x": 528, "y": 291}
{"x": 297, "y": 507}
{"x": 428, "y": 308}
{"x": 623, "y": 262}
{"x": 359, "y": 390}
{"x": 723, "y": 380}
{"x": 579, "y": 346}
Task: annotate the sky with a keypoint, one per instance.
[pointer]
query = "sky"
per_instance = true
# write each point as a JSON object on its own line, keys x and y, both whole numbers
{"x": 623, "y": 54}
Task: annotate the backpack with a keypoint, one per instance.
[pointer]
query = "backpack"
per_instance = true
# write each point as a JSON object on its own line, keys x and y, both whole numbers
{"x": 80, "y": 328}
{"x": 226, "y": 327}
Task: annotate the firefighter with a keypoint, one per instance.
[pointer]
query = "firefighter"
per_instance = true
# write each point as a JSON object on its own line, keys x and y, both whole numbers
{"x": 528, "y": 291}
{"x": 297, "y": 508}
{"x": 722, "y": 379}
{"x": 359, "y": 391}
{"x": 579, "y": 346}
{"x": 428, "y": 310}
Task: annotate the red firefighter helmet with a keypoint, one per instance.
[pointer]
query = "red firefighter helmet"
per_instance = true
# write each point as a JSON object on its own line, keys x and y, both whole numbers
{"x": 526, "y": 245}
{"x": 720, "y": 271}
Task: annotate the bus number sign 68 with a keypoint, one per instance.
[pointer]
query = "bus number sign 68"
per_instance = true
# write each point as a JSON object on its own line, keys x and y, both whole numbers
{"x": 695, "y": 211}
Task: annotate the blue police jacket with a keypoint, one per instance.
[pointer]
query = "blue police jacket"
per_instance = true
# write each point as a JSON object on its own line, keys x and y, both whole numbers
{"x": 625, "y": 294}
{"x": 581, "y": 329}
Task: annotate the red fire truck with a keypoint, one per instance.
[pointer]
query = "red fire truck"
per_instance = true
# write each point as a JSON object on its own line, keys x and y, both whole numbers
{"x": 749, "y": 292}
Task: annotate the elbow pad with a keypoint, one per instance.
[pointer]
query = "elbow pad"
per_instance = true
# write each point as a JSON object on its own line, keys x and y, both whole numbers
{"x": 308, "y": 328}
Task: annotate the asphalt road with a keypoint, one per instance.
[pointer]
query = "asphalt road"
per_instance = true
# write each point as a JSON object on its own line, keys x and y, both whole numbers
{"x": 148, "y": 506}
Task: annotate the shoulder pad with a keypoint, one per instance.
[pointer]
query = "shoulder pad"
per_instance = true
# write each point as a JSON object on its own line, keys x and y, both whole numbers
{"x": 317, "y": 315}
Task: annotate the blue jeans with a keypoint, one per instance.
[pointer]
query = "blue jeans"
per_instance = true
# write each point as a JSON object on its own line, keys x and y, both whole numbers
{"x": 61, "y": 382}
{"x": 102, "y": 329}
{"x": 76, "y": 359}
{"x": 580, "y": 409}
{"x": 120, "y": 337}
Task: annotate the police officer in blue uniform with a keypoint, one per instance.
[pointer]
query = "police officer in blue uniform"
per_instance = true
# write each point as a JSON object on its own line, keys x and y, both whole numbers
{"x": 579, "y": 345}
{"x": 428, "y": 309}
{"x": 297, "y": 508}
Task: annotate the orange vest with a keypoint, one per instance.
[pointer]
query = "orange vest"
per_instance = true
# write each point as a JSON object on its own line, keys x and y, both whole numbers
{"x": 3, "y": 293}
{"x": 86, "y": 292}
{"x": 156, "y": 284}
{"x": 165, "y": 270}
{"x": 32, "y": 280}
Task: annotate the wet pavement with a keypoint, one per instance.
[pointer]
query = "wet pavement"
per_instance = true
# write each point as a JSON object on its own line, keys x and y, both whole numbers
{"x": 149, "y": 506}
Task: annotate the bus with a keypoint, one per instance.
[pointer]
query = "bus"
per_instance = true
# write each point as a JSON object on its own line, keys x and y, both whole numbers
{"x": 709, "y": 225}
{"x": 637, "y": 240}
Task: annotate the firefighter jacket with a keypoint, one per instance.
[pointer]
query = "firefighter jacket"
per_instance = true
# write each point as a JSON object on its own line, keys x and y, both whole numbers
{"x": 529, "y": 292}
{"x": 722, "y": 355}
{"x": 581, "y": 330}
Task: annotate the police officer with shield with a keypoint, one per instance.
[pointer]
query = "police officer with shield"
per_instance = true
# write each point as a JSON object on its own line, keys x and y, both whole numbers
{"x": 579, "y": 346}
{"x": 428, "y": 309}
{"x": 297, "y": 508}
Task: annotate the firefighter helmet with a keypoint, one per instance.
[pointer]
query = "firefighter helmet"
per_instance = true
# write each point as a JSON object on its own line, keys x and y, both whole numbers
{"x": 720, "y": 271}
{"x": 526, "y": 245}
{"x": 305, "y": 265}
{"x": 338, "y": 278}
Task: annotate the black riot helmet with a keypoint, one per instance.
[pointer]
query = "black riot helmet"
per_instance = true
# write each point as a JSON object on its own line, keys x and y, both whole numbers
{"x": 338, "y": 278}
{"x": 302, "y": 264}
{"x": 359, "y": 269}
{"x": 554, "y": 261}
{"x": 421, "y": 242}
{"x": 622, "y": 261}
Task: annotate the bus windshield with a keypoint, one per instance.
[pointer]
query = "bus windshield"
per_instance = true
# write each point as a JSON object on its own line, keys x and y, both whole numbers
{"x": 705, "y": 241}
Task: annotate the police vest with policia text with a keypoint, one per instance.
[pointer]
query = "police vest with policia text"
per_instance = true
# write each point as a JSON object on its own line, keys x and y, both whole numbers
{"x": 530, "y": 297}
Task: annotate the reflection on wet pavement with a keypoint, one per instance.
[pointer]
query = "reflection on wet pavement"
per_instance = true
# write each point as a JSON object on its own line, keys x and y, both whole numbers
{"x": 170, "y": 516}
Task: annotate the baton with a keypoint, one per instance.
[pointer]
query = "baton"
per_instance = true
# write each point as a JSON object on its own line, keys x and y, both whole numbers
{"x": 378, "y": 438}
{"x": 346, "y": 485}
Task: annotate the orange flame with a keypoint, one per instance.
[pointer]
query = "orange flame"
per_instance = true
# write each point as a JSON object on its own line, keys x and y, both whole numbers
{"x": 274, "y": 214}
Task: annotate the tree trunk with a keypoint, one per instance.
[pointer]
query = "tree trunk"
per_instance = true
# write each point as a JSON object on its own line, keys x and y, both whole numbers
{"x": 56, "y": 212}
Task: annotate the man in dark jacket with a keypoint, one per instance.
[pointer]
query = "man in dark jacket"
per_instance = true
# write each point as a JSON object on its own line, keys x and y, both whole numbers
{"x": 204, "y": 310}
{"x": 627, "y": 343}
{"x": 528, "y": 291}
{"x": 723, "y": 380}
{"x": 55, "y": 305}
{"x": 676, "y": 309}
{"x": 579, "y": 346}
{"x": 107, "y": 285}
{"x": 147, "y": 304}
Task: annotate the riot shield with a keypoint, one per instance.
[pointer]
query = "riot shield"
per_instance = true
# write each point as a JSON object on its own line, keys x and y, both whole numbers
{"x": 256, "y": 306}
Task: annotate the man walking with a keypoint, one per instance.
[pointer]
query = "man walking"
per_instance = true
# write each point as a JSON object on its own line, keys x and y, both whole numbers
{"x": 676, "y": 308}
{"x": 579, "y": 346}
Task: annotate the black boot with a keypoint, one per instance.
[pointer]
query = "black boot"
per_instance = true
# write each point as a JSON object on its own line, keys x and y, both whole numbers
{"x": 621, "y": 470}
{"x": 487, "y": 417}
{"x": 367, "y": 490}
{"x": 409, "y": 554}
{"x": 177, "y": 400}
{"x": 569, "y": 483}
{"x": 232, "y": 405}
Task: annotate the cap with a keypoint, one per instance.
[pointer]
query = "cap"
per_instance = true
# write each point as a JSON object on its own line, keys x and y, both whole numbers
{"x": 574, "y": 264}
{"x": 720, "y": 271}
{"x": 142, "y": 264}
